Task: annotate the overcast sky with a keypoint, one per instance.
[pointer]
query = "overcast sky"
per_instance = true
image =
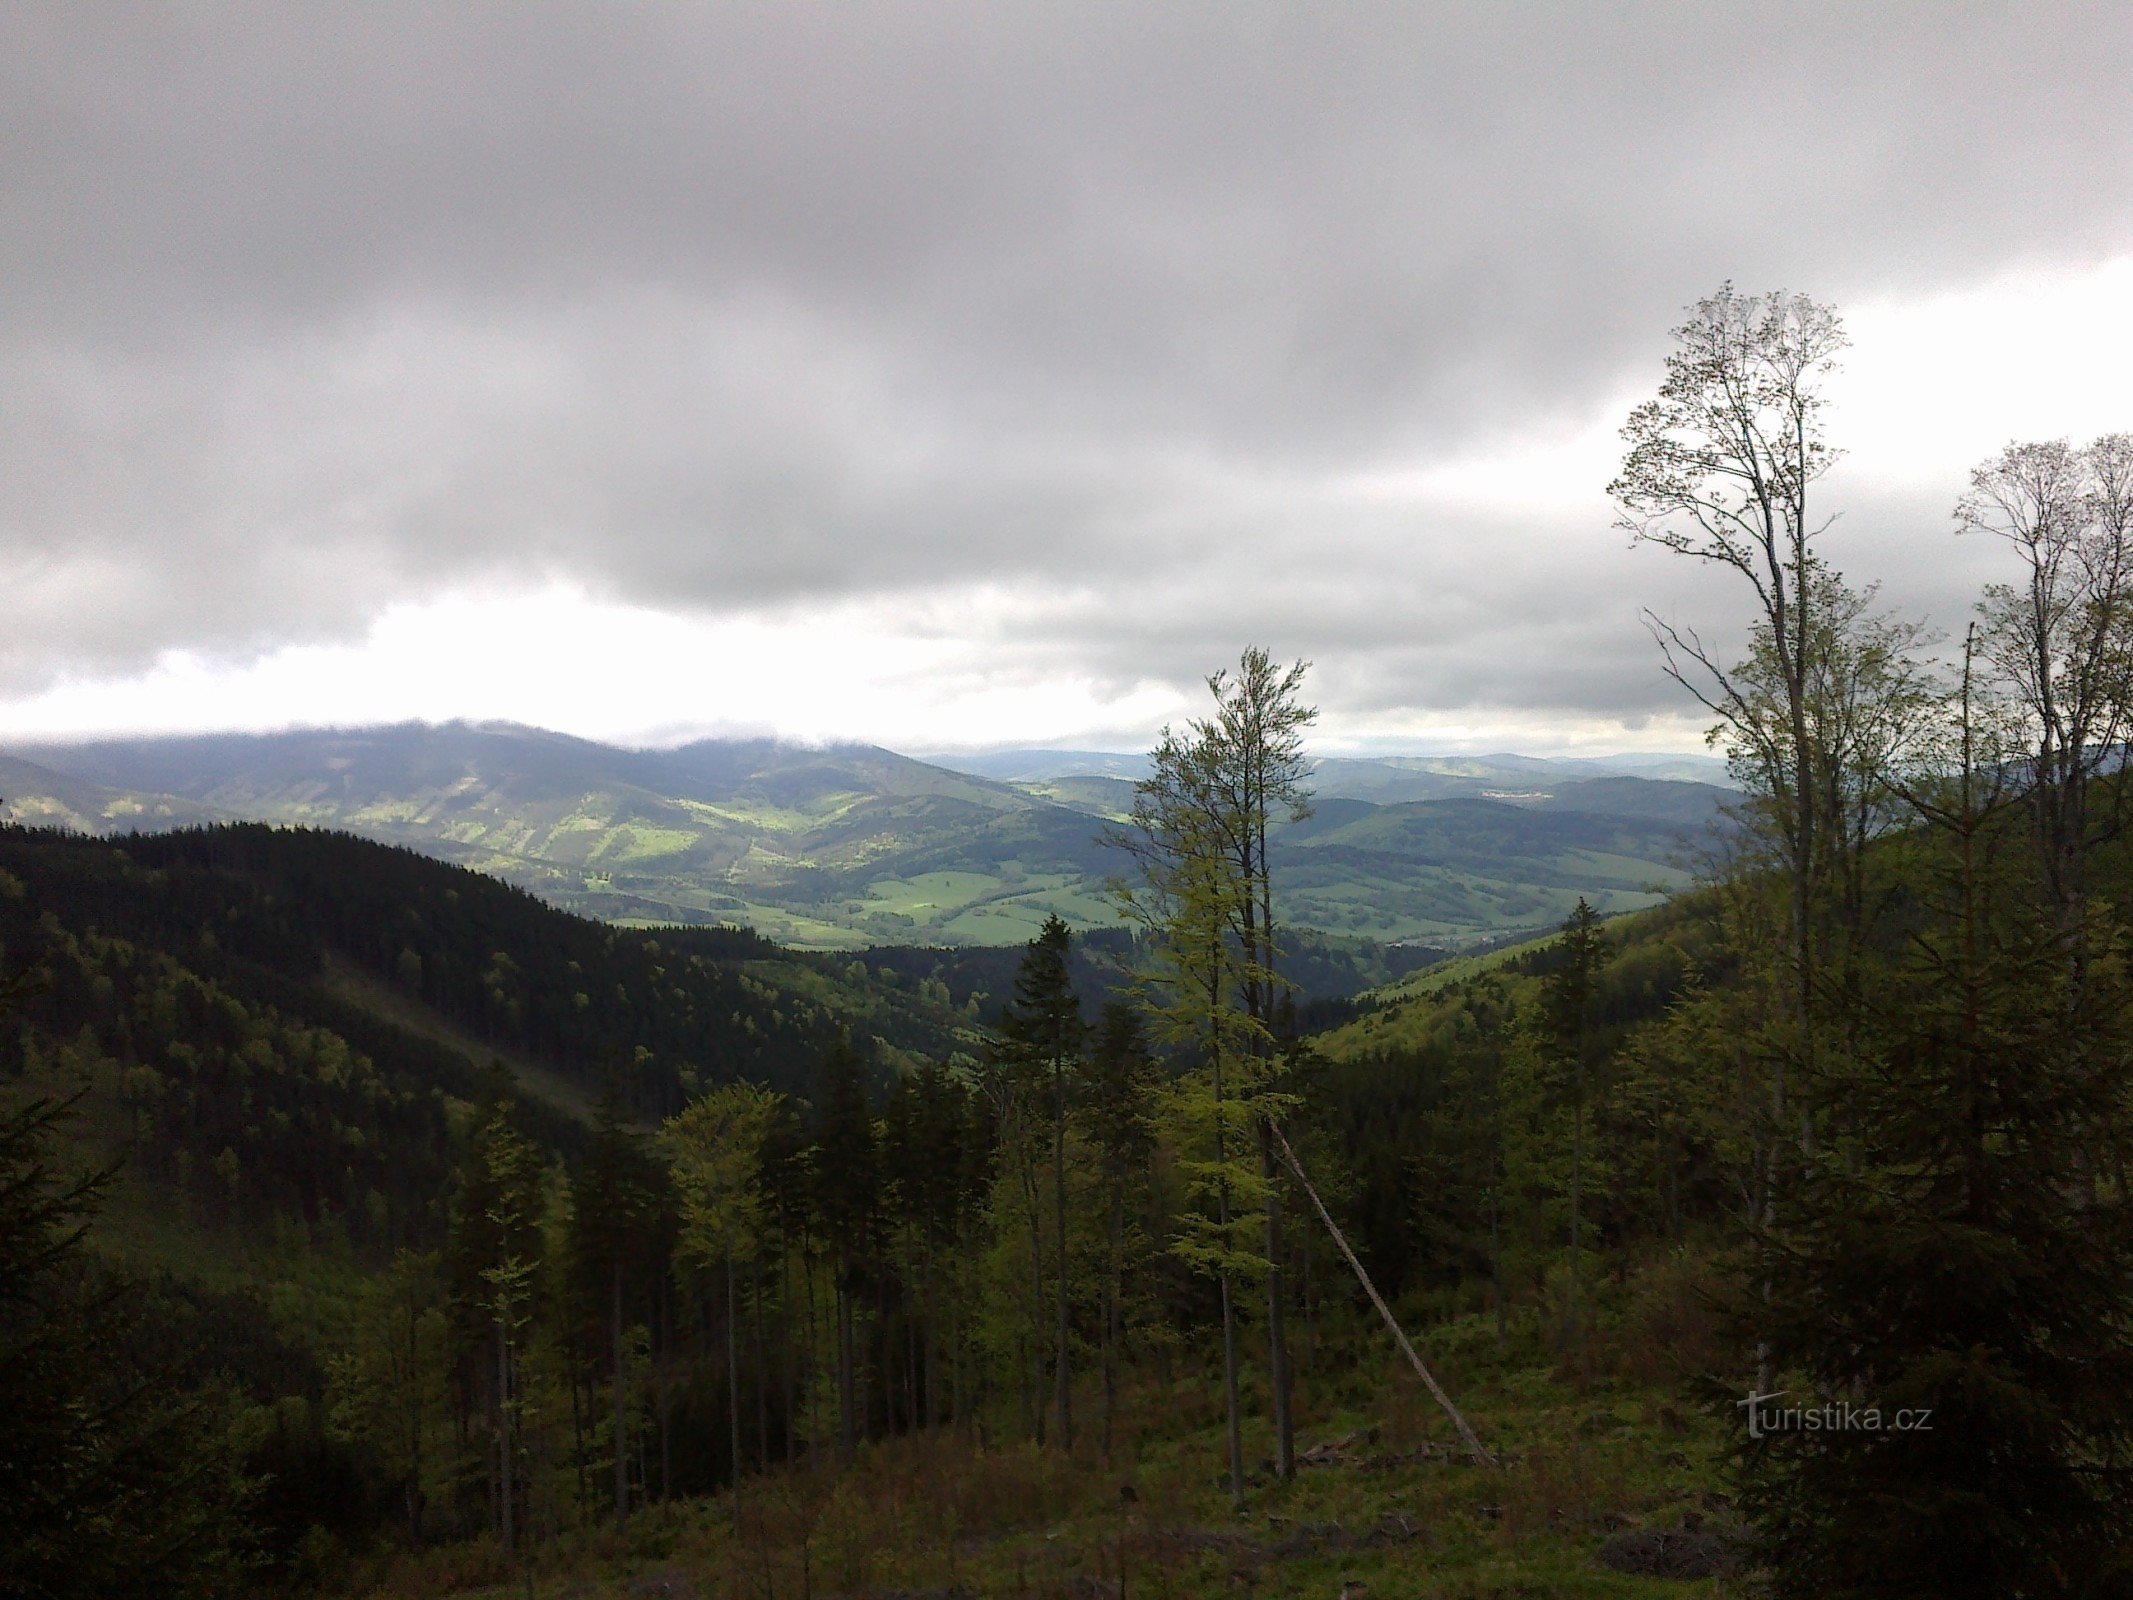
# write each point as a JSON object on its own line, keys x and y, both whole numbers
{"x": 948, "y": 375}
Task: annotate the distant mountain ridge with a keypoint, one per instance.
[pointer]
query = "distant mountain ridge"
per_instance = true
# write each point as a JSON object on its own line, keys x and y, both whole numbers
{"x": 1382, "y": 778}
{"x": 847, "y": 845}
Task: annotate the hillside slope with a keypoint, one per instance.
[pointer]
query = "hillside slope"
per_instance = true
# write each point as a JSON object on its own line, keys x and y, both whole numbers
{"x": 279, "y": 1023}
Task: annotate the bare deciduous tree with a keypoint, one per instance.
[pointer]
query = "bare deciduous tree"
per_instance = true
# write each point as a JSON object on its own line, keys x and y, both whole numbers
{"x": 2060, "y": 636}
{"x": 1720, "y": 468}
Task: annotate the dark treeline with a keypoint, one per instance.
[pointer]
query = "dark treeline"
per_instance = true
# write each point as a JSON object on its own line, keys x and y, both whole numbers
{"x": 1325, "y": 974}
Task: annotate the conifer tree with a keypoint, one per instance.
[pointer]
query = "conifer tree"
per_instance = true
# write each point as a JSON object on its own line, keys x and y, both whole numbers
{"x": 384, "y": 1386}
{"x": 785, "y": 1177}
{"x": 1256, "y": 740}
{"x": 1042, "y": 1032}
{"x": 934, "y": 1153}
{"x": 847, "y": 1200}
{"x": 1569, "y": 1003}
{"x": 111, "y": 1483}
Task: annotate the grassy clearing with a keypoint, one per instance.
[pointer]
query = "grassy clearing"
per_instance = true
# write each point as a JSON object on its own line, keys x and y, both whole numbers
{"x": 637, "y": 841}
{"x": 748, "y": 814}
{"x": 1015, "y": 917}
{"x": 1391, "y": 1505}
{"x": 929, "y": 901}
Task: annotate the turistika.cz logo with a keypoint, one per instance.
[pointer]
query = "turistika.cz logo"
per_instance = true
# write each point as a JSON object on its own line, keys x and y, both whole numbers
{"x": 1766, "y": 1416}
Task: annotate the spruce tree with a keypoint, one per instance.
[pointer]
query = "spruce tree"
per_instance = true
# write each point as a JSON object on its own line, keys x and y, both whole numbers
{"x": 111, "y": 1481}
{"x": 1261, "y": 773}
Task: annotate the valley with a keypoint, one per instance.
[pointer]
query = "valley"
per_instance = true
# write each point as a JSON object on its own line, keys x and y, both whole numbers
{"x": 848, "y": 846}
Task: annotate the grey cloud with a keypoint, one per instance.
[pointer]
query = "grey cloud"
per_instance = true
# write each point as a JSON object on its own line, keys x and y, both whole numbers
{"x": 311, "y": 309}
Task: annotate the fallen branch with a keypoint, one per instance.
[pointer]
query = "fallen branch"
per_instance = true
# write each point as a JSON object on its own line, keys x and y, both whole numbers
{"x": 1474, "y": 1446}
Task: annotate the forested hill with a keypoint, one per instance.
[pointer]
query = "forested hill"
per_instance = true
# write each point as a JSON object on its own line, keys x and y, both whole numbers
{"x": 279, "y": 1022}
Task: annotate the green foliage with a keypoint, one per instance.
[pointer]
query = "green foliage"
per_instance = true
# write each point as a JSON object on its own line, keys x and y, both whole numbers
{"x": 1956, "y": 1256}
{"x": 714, "y": 1149}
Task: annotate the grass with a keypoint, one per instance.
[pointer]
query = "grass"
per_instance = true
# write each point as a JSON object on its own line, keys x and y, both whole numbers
{"x": 637, "y": 841}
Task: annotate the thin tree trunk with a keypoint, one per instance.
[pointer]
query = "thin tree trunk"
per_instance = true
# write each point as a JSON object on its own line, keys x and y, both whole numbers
{"x": 1231, "y": 1403}
{"x": 619, "y": 1395}
{"x": 885, "y": 1341}
{"x": 414, "y": 1429}
{"x": 762, "y": 1377}
{"x": 1036, "y": 1291}
{"x": 1577, "y": 1170}
{"x": 665, "y": 1392}
{"x": 847, "y": 1398}
{"x": 733, "y": 1377}
{"x": 914, "y": 1358}
{"x": 1276, "y": 1314}
{"x": 1114, "y": 1290}
{"x": 1259, "y": 933}
{"x": 814, "y": 1337}
{"x": 1474, "y": 1445}
{"x": 1496, "y": 1263}
{"x": 788, "y": 1369}
{"x": 576, "y": 1360}
{"x": 1230, "y": 1400}
{"x": 933, "y": 1340}
{"x": 958, "y": 1399}
{"x": 503, "y": 1431}
{"x": 1063, "y": 1373}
